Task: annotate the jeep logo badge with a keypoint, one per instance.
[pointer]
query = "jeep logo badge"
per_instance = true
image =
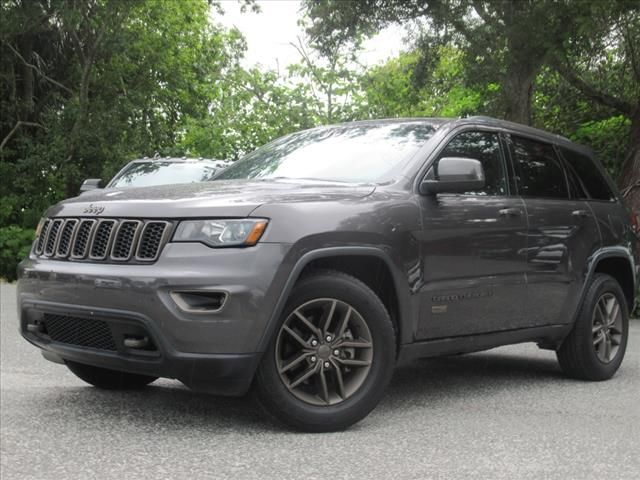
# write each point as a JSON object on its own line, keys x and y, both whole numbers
{"x": 94, "y": 209}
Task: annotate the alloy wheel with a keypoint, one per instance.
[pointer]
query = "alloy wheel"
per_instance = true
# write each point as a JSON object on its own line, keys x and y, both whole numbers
{"x": 324, "y": 351}
{"x": 607, "y": 327}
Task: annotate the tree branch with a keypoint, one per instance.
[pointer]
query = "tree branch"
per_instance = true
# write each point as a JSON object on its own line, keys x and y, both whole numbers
{"x": 593, "y": 93}
{"x": 37, "y": 70}
{"x": 19, "y": 124}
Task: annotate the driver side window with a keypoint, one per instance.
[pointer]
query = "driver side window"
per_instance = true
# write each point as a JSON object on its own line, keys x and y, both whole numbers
{"x": 484, "y": 147}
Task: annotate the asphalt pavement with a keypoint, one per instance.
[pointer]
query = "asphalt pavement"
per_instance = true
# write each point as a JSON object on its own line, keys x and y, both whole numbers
{"x": 506, "y": 413}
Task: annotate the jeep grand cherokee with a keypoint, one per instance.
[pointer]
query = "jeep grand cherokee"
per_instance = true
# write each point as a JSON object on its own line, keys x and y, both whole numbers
{"x": 313, "y": 266}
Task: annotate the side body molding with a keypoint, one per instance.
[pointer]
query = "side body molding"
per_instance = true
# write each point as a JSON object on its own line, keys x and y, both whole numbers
{"x": 400, "y": 284}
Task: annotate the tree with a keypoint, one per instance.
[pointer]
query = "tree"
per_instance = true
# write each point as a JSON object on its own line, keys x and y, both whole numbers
{"x": 506, "y": 41}
{"x": 391, "y": 90}
{"x": 602, "y": 62}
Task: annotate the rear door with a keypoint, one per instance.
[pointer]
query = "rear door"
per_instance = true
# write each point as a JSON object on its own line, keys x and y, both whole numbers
{"x": 472, "y": 249}
{"x": 562, "y": 231}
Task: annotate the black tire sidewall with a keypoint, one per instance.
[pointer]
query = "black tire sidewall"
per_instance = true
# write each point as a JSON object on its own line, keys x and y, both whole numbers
{"x": 600, "y": 371}
{"x": 274, "y": 395}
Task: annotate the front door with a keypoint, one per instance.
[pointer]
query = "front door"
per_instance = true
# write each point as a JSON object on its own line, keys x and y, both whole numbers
{"x": 473, "y": 248}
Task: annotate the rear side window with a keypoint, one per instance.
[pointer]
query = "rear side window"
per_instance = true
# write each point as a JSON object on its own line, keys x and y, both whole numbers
{"x": 589, "y": 174}
{"x": 539, "y": 171}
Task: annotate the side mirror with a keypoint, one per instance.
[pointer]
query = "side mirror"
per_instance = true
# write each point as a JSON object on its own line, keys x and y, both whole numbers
{"x": 453, "y": 175}
{"x": 90, "y": 184}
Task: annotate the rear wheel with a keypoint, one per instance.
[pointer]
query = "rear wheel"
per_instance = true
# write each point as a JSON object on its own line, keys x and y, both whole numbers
{"x": 332, "y": 356}
{"x": 109, "y": 379}
{"x": 595, "y": 347}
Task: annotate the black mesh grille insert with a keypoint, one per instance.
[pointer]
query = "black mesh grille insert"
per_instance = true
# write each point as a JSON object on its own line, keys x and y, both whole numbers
{"x": 100, "y": 242}
{"x": 52, "y": 236}
{"x": 151, "y": 240}
{"x": 123, "y": 243}
{"x": 43, "y": 236}
{"x": 64, "y": 245}
{"x": 82, "y": 238}
{"x": 82, "y": 332}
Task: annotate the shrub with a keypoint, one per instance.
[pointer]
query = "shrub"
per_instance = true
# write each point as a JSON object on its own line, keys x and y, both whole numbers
{"x": 15, "y": 243}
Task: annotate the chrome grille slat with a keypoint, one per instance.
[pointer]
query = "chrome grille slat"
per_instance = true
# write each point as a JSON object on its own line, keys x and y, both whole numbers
{"x": 114, "y": 240}
{"x": 82, "y": 238}
{"x": 125, "y": 240}
{"x": 66, "y": 235}
{"x": 42, "y": 237}
{"x": 151, "y": 238}
{"x": 52, "y": 237}
{"x": 101, "y": 240}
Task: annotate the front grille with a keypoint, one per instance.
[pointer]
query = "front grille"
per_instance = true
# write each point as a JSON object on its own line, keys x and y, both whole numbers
{"x": 81, "y": 332}
{"x": 105, "y": 240}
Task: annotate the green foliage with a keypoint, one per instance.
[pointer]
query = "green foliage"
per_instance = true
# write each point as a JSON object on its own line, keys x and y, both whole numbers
{"x": 392, "y": 90}
{"x": 15, "y": 243}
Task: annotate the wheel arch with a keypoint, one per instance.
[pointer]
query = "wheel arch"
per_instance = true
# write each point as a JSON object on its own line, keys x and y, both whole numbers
{"x": 350, "y": 260}
{"x": 618, "y": 263}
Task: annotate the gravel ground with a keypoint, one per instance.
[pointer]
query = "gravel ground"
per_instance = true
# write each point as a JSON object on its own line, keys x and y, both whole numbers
{"x": 506, "y": 413}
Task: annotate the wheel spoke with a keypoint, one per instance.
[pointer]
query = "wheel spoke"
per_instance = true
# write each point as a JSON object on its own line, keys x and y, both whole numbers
{"x": 302, "y": 377}
{"x": 613, "y": 316}
{"x": 300, "y": 358}
{"x": 293, "y": 334}
{"x": 615, "y": 330}
{"x": 352, "y": 362}
{"x": 354, "y": 344}
{"x": 315, "y": 330}
{"x": 339, "y": 380}
{"x": 598, "y": 339}
{"x": 324, "y": 389}
{"x": 327, "y": 321}
{"x": 601, "y": 314}
{"x": 607, "y": 349}
{"x": 344, "y": 323}
{"x": 596, "y": 328}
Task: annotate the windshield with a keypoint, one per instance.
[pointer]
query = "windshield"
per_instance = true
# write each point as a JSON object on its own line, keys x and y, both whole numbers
{"x": 144, "y": 174}
{"x": 346, "y": 153}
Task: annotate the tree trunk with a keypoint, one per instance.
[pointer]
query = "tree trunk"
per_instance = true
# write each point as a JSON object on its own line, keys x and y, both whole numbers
{"x": 517, "y": 90}
{"x": 629, "y": 179}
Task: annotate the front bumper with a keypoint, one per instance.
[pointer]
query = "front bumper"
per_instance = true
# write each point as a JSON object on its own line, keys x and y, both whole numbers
{"x": 215, "y": 351}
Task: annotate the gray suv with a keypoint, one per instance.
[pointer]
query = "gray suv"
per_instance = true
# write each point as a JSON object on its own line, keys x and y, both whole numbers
{"x": 309, "y": 269}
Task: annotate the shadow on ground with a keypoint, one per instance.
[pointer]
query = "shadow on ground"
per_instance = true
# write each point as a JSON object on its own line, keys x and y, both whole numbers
{"x": 168, "y": 405}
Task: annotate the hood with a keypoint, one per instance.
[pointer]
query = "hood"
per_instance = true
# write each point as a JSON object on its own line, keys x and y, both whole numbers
{"x": 223, "y": 198}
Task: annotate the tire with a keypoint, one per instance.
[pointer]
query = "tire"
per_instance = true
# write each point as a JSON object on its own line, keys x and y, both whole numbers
{"x": 109, "y": 379}
{"x": 583, "y": 353}
{"x": 323, "y": 402}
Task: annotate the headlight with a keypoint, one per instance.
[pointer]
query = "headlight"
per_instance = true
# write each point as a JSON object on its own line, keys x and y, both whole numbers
{"x": 221, "y": 233}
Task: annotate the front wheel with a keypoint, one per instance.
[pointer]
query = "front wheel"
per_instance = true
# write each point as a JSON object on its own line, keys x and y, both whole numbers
{"x": 332, "y": 356}
{"x": 595, "y": 347}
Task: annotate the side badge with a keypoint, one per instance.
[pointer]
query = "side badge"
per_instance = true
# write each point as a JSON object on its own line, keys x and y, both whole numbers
{"x": 439, "y": 309}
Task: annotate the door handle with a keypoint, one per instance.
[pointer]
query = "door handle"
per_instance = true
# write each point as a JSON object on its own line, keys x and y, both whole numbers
{"x": 580, "y": 213}
{"x": 510, "y": 212}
